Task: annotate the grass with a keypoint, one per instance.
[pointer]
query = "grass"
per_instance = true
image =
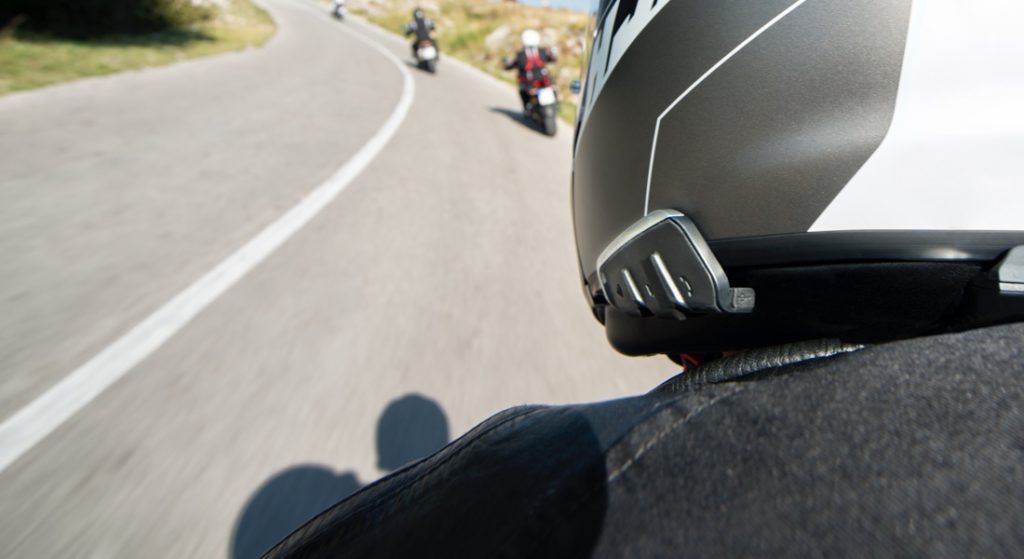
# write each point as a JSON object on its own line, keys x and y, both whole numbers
{"x": 28, "y": 61}
{"x": 463, "y": 28}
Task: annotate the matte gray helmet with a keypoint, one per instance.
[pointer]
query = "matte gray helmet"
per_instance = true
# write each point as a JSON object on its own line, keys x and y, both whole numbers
{"x": 758, "y": 172}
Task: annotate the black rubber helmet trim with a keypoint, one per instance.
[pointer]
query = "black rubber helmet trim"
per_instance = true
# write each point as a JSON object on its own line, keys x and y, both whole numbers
{"x": 860, "y": 302}
{"x": 879, "y": 246}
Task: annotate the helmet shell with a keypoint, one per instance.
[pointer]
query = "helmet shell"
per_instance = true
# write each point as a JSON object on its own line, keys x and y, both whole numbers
{"x": 530, "y": 38}
{"x": 803, "y": 132}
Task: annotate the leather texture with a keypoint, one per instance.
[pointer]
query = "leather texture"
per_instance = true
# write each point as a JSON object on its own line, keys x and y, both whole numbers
{"x": 913, "y": 448}
{"x": 750, "y": 362}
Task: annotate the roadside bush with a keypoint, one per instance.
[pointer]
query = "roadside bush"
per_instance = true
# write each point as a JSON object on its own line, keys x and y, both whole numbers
{"x": 82, "y": 19}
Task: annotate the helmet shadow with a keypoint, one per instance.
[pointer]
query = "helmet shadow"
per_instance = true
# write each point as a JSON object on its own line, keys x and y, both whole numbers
{"x": 410, "y": 428}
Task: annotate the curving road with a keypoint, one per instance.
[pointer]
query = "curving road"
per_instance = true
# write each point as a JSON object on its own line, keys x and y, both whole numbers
{"x": 445, "y": 269}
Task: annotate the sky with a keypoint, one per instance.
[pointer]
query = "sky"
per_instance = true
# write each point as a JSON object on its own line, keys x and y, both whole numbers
{"x": 577, "y": 5}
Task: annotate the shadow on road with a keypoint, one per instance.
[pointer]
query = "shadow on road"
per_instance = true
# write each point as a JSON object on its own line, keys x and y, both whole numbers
{"x": 410, "y": 428}
{"x": 528, "y": 482}
{"x": 415, "y": 65}
{"x": 519, "y": 117}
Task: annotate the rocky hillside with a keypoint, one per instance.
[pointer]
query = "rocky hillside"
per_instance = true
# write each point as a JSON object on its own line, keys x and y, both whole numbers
{"x": 481, "y": 32}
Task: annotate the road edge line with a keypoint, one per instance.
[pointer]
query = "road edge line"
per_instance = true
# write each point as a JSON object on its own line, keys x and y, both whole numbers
{"x": 23, "y": 430}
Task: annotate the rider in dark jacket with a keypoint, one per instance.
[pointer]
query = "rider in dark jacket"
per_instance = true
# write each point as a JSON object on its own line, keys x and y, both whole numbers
{"x": 529, "y": 62}
{"x": 421, "y": 26}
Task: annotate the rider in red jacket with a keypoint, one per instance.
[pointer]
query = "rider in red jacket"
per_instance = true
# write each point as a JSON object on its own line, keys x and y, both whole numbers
{"x": 530, "y": 63}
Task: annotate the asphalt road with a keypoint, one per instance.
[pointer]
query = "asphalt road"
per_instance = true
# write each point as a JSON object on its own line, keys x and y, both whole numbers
{"x": 438, "y": 288}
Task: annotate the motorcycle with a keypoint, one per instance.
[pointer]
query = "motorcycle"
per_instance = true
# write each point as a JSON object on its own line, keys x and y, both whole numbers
{"x": 338, "y": 9}
{"x": 426, "y": 56}
{"x": 543, "y": 104}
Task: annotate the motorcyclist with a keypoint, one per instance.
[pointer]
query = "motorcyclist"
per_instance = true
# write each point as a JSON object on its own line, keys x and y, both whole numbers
{"x": 421, "y": 26}
{"x": 338, "y": 8}
{"x": 530, "y": 63}
{"x": 837, "y": 257}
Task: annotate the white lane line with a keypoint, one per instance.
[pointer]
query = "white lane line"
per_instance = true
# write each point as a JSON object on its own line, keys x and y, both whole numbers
{"x": 711, "y": 70}
{"x": 34, "y": 422}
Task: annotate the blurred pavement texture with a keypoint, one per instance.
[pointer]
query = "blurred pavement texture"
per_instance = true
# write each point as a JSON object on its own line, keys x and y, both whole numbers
{"x": 446, "y": 270}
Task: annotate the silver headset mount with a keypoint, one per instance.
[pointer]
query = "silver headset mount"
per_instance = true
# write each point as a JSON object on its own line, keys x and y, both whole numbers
{"x": 661, "y": 266}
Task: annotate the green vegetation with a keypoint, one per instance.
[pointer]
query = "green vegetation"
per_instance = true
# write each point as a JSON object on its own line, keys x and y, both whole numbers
{"x": 482, "y": 32}
{"x": 30, "y": 58}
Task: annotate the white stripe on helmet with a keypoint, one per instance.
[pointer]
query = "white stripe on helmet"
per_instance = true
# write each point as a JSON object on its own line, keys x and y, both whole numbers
{"x": 953, "y": 157}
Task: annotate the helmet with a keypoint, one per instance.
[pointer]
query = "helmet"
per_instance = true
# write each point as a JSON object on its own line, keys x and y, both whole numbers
{"x": 763, "y": 173}
{"x": 530, "y": 38}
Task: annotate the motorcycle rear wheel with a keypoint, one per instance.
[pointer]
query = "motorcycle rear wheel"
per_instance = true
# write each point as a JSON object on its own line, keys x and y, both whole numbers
{"x": 550, "y": 124}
